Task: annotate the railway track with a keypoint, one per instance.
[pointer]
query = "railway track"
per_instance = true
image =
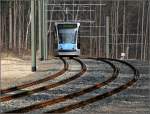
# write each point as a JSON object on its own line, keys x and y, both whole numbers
{"x": 75, "y": 94}
{"x": 72, "y": 95}
{"x": 101, "y": 96}
{"x": 49, "y": 86}
{"x": 65, "y": 68}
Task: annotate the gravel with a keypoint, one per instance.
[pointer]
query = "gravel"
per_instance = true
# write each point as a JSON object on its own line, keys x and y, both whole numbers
{"x": 134, "y": 100}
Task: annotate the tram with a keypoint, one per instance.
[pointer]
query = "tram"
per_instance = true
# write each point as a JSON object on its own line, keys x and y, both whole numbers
{"x": 67, "y": 36}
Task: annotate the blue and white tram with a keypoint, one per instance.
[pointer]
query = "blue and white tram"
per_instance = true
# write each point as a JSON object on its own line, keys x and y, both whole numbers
{"x": 67, "y": 38}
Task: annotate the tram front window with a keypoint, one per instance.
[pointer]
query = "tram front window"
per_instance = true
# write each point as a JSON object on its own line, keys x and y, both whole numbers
{"x": 67, "y": 36}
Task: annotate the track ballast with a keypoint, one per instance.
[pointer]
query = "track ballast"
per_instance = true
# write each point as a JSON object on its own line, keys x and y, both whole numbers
{"x": 78, "y": 93}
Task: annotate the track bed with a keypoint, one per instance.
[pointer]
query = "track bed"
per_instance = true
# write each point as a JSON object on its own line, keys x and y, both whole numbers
{"x": 134, "y": 100}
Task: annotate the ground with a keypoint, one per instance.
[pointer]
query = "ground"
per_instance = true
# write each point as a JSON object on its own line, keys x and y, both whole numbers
{"x": 134, "y": 100}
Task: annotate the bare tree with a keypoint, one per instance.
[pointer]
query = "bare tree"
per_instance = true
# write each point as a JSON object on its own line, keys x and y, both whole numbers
{"x": 10, "y": 25}
{"x": 19, "y": 26}
{"x": 15, "y": 26}
{"x": 27, "y": 31}
{"x": 142, "y": 32}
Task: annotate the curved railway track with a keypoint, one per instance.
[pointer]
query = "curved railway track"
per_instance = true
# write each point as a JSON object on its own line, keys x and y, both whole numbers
{"x": 76, "y": 94}
{"x": 11, "y": 89}
{"x": 101, "y": 96}
{"x": 70, "y": 96}
{"x": 30, "y": 92}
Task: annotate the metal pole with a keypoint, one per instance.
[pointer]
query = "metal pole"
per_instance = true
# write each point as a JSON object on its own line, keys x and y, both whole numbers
{"x": 46, "y": 30}
{"x": 43, "y": 32}
{"x": 40, "y": 29}
{"x": 45, "y": 40}
{"x": 107, "y": 36}
{"x": 66, "y": 14}
{"x": 33, "y": 42}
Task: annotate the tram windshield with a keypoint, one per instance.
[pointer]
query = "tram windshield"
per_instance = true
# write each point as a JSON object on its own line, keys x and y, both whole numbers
{"x": 67, "y": 35}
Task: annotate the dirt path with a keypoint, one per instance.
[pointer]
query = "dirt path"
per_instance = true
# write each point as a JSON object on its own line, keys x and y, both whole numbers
{"x": 17, "y": 71}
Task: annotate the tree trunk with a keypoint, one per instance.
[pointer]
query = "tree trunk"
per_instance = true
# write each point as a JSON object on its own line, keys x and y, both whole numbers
{"x": 10, "y": 25}
{"x": 27, "y": 31}
{"x": 142, "y": 32}
{"x": 20, "y": 25}
{"x": 15, "y": 27}
{"x": 0, "y": 28}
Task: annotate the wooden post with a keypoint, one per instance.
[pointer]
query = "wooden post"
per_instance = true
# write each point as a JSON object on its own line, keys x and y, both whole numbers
{"x": 33, "y": 40}
{"x": 107, "y": 36}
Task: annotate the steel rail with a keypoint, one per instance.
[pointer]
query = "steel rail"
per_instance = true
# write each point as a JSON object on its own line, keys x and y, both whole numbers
{"x": 69, "y": 96}
{"x": 101, "y": 96}
{"x": 11, "y": 89}
{"x": 27, "y": 93}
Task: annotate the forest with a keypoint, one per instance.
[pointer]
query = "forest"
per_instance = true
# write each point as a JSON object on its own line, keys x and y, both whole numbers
{"x": 128, "y": 26}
